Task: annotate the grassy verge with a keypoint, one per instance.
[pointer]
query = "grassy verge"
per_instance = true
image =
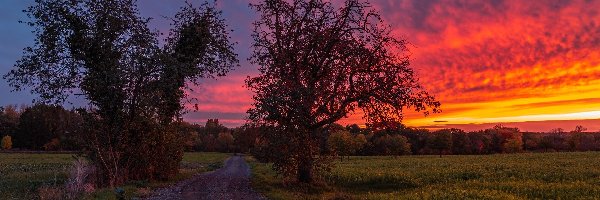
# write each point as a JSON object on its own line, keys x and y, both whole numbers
{"x": 515, "y": 176}
{"x": 22, "y": 174}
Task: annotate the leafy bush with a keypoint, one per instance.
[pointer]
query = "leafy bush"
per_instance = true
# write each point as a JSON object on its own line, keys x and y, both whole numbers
{"x": 6, "y": 142}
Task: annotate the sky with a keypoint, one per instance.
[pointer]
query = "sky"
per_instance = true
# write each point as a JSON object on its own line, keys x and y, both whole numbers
{"x": 534, "y": 65}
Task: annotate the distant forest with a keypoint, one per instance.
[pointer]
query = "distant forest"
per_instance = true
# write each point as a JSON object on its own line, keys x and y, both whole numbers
{"x": 53, "y": 128}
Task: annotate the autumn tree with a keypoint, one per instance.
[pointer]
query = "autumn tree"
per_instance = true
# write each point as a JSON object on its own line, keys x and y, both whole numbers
{"x": 318, "y": 64}
{"x": 104, "y": 51}
{"x": 6, "y": 142}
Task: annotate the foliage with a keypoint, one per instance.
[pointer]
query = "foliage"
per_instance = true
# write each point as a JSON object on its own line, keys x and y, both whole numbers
{"x": 245, "y": 137}
{"x": 513, "y": 146}
{"x": 9, "y": 119}
{"x": 398, "y": 145}
{"x": 44, "y": 126}
{"x": 318, "y": 64}
{"x": 500, "y": 176}
{"x": 6, "y": 142}
{"x": 341, "y": 142}
{"x": 105, "y": 50}
{"x": 225, "y": 141}
{"x": 441, "y": 141}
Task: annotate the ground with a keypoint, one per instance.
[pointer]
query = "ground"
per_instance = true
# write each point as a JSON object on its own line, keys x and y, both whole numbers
{"x": 230, "y": 182}
{"x": 573, "y": 175}
{"x": 565, "y": 175}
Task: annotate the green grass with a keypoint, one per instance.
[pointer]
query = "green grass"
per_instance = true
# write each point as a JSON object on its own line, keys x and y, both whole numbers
{"x": 502, "y": 176}
{"x": 22, "y": 174}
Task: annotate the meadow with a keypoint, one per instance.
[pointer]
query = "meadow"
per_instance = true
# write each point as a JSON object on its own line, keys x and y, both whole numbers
{"x": 573, "y": 175}
{"x": 22, "y": 174}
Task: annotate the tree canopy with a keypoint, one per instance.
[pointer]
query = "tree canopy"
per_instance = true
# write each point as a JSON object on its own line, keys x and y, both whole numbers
{"x": 319, "y": 63}
{"x": 105, "y": 51}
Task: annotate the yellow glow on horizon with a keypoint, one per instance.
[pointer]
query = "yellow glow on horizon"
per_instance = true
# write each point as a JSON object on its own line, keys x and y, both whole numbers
{"x": 562, "y": 103}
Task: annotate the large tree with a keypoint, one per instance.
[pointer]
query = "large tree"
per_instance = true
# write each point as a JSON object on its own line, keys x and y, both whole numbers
{"x": 318, "y": 64}
{"x": 105, "y": 51}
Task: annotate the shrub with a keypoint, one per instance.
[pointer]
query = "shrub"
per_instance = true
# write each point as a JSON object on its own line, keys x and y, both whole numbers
{"x": 80, "y": 179}
{"x": 6, "y": 142}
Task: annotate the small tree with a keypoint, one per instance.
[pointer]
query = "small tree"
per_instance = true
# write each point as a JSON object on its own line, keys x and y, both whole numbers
{"x": 6, "y": 142}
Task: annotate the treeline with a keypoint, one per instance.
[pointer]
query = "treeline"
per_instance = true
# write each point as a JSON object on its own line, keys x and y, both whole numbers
{"x": 54, "y": 128}
{"x": 352, "y": 140}
{"x": 49, "y": 127}
{"x": 213, "y": 136}
{"x": 40, "y": 127}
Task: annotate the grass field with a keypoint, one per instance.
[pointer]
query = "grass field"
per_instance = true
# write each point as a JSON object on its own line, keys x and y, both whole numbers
{"x": 502, "y": 176}
{"x": 22, "y": 174}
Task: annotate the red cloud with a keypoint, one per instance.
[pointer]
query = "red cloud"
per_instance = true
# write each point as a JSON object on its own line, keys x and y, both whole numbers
{"x": 477, "y": 57}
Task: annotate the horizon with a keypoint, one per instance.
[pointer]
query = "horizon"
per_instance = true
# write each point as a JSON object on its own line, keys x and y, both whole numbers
{"x": 532, "y": 65}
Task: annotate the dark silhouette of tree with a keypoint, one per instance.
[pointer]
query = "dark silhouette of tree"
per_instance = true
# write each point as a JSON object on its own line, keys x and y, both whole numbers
{"x": 441, "y": 141}
{"x": 41, "y": 124}
{"x": 245, "y": 137}
{"x": 9, "y": 120}
{"x": 319, "y": 64}
{"x": 461, "y": 144}
{"x": 105, "y": 51}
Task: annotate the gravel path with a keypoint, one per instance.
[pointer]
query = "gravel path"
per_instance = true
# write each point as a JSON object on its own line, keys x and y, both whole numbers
{"x": 230, "y": 182}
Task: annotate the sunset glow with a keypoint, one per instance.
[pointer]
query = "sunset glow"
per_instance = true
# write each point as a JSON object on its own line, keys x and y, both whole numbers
{"x": 507, "y": 61}
{"x": 491, "y": 62}
{"x": 524, "y": 63}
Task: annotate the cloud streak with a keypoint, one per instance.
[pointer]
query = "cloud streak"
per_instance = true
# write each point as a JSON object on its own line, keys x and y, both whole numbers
{"x": 505, "y": 60}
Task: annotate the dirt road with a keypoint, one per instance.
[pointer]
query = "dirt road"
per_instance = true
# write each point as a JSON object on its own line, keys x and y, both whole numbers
{"x": 229, "y": 182}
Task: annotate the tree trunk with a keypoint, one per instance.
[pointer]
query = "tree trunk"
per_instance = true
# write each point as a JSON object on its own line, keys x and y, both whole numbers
{"x": 305, "y": 170}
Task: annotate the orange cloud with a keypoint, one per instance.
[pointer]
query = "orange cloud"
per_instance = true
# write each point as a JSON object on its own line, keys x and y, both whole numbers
{"x": 517, "y": 62}
{"x": 511, "y": 61}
